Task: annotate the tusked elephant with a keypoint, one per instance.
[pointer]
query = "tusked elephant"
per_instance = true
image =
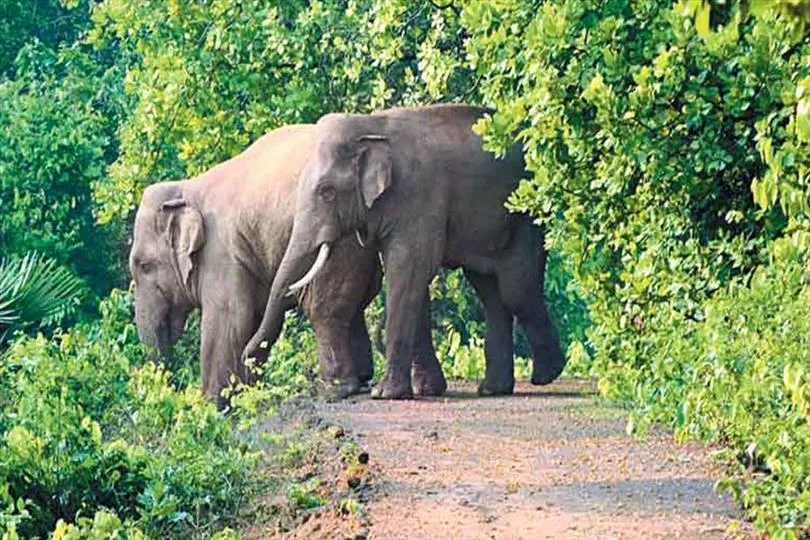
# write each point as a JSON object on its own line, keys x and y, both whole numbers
{"x": 216, "y": 241}
{"x": 417, "y": 182}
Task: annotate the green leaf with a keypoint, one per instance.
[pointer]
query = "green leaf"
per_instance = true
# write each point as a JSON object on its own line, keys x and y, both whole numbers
{"x": 702, "y": 17}
{"x": 34, "y": 289}
{"x": 595, "y": 90}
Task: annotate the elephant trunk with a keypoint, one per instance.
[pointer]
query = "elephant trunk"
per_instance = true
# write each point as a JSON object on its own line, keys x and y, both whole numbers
{"x": 292, "y": 266}
{"x": 153, "y": 330}
{"x": 160, "y": 329}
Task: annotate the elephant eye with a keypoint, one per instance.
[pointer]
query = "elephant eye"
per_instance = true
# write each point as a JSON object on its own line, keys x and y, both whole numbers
{"x": 146, "y": 266}
{"x": 327, "y": 193}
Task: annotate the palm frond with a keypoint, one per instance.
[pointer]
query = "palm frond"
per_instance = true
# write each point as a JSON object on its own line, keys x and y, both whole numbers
{"x": 7, "y": 314}
{"x": 49, "y": 293}
{"x": 35, "y": 289}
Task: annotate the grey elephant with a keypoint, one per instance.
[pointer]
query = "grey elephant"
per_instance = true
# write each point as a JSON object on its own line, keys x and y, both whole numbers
{"x": 417, "y": 182}
{"x": 216, "y": 241}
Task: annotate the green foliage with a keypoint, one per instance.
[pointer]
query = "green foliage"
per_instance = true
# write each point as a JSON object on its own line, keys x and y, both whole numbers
{"x": 647, "y": 135}
{"x": 34, "y": 289}
{"x": 461, "y": 360}
{"x": 102, "y": 525}
{"x": 349, "y": 507}
{"x": 214, "y": 75}
{"x": 613, "y": 107}
{"x": 740, "y": 379}
{"x": 58, "y": 120}
{"x": 757, "y": 399}
{"x": 294, "y": 358}
{"x": 50, "y": 22}
{"x": 86, "y": 425}
{"x": 795, "y": 13}
{"x": 569, "y": 312}
{"x": 455, "y": 307}
{"x": 305, "y": 495}
{"x": 668, "y": 145}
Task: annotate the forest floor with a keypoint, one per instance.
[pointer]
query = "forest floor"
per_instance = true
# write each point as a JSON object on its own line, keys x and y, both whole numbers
{"x": 548, "y": 462}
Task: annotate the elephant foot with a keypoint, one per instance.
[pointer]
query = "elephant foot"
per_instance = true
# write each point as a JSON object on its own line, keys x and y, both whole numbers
{"x": 545, "y": 374}
{"x": 490, "y": 388}
{"x": 365, "y": 387}
{"x": 344, "y": 389}
{"x": 392, "y": 389}
{"x": 429, "y": 383}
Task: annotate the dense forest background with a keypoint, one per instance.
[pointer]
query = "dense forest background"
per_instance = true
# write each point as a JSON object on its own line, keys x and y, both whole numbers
{"x": 668, "y": 143}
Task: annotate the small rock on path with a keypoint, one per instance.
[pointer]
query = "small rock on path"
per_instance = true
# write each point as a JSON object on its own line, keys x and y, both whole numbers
{"x": 548, "y": 462}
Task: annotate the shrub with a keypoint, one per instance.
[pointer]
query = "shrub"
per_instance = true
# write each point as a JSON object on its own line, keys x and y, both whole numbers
{"x": 740, "y": 379}
{"x": 87, "y": 425}
{"x": 647, "y": 135}
{"x": 749, "y": 388}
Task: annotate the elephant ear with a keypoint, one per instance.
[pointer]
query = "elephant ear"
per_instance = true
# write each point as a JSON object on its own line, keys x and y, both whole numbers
{"x": 186, "y": 234}
{"x": 374, "y": 166}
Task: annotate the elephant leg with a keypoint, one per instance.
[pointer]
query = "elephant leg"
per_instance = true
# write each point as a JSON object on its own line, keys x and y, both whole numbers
{"x": 224, "y": 333}
{"x": 548, "y": 359}
{"x": 526, "y": 300}
{"x": 428, "y": 379}
{"x": 335, "y": 357}
{"x": 408, "y": 278}
{"x": 499, "y": 378}
{"x": 361, "y": 354}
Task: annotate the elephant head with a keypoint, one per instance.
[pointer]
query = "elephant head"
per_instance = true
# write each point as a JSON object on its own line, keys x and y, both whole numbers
{"x": 168, "y": 233}
{"x": 349, "y": 170}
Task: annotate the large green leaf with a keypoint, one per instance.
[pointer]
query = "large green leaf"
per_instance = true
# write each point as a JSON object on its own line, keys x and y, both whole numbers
{"x": 36, "y": 290}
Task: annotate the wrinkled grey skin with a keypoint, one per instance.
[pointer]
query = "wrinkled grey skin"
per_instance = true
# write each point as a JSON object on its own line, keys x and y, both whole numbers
{"x": 216, "y": 241}
{"x": 418, "y": 182}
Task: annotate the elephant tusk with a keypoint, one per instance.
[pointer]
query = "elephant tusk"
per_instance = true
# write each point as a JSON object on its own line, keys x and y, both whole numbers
{"x": 323, "y": 254}
{"x": 359, "y": 239}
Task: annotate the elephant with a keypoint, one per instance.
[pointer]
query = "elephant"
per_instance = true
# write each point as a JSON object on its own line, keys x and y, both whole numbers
{"x": 417, "y": 182}
{"x": 216, "y": 241}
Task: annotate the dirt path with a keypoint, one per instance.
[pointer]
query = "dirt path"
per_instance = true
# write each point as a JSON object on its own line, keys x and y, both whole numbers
{"x": 545, "y": 463}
